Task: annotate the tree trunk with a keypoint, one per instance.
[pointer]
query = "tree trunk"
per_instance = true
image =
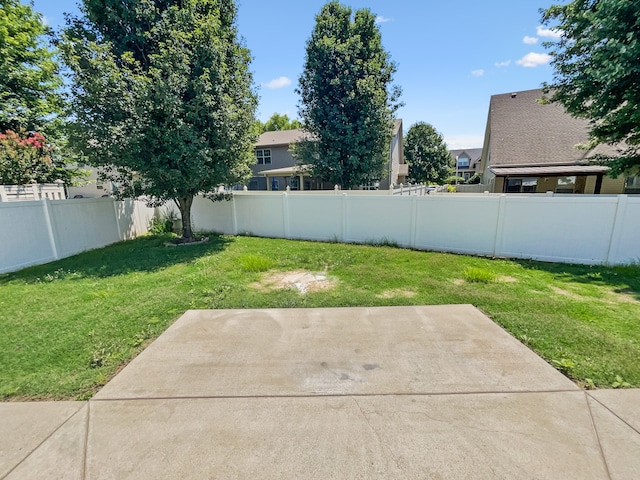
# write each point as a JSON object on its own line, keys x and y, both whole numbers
{"x": 184, "y": 205}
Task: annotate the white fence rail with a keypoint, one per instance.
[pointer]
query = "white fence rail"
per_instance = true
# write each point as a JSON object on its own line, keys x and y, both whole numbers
{"x": 35, "y": 232}
{"x": 562, "y": 228}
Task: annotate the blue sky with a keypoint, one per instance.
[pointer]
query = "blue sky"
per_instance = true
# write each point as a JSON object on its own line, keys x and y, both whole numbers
{"x": 451, "y": 55}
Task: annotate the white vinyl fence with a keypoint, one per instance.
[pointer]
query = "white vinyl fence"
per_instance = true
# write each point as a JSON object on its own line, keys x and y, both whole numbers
{"x": 36, "y": 232}
{"x": 561, "y": 228}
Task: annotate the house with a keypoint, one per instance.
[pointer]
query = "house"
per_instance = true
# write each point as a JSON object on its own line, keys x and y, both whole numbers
{"x": 531, "y": 146}
{"x": 276, "y": 169}
{"x": 468, "y": 161}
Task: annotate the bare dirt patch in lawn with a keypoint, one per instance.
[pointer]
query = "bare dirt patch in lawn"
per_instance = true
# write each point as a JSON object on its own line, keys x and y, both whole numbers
{"x": 624, "y": 295}
{"x": 300, "y": 280}
{"x": 564, "y": 293}
{"x": 507, "y": 279}
{"x": 396, "y": 293}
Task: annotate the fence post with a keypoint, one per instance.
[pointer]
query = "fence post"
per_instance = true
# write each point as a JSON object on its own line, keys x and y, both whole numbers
{"x": 345, "y": 213}
{"x": 285, "y": 216}
{"x": 497, "y": 239}
{"x": 414, "y": 222}
{"x": 49, "y": 224}
{"x": 3, "y": 194}
{"x": 616, "y": 231}
{"x": 234, "y": 214}
{"x": 117, "y": 217}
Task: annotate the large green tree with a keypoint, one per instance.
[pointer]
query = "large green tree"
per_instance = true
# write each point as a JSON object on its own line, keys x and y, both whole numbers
{"x": 162, "y": 97}
{"x": 347, "y": 99}
{"x": 32, "y": 115}
{"x": 597, "y": 66}
{"x": 426, "y": 153}
{"x": 29, "y": 81}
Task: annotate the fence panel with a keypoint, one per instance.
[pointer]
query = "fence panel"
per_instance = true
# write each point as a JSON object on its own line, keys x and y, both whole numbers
{"x": 316, "y": 217}
{"x": 625, "y": 240}
{"x": 456, "y": 223}
{"x": 260, "y": 215}
{"x": 558, "y": 229}
{"x": 374, "y": 219}
{"x": 36, "y": 232}
{"x": 24, "y": 235}
{"x": 75, "y": 231}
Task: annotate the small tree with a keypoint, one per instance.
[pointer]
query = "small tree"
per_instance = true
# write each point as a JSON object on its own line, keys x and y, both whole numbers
{"x": 163, "y": 97}
{"x": 345, "y": 105}
{"x": 597, "y": 64}
{"x": 426, "y": 153}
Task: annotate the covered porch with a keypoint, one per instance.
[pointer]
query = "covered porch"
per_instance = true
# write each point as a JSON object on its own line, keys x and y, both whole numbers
{"x": 580, "y": 179}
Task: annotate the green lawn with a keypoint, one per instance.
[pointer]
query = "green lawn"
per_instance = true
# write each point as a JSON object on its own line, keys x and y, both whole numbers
{"x": 68, "y": 326}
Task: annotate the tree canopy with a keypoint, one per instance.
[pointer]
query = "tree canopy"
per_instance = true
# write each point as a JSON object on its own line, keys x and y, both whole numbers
{"x": 162, "y": 96}
{"x": 347, "y": 101}
{"x": 29, "y": 82}
{"x": 280, "y": 122}
{"x": 32, "y": 108}
{"x": 426, "y": 153}
{"x": 597, "y": 66}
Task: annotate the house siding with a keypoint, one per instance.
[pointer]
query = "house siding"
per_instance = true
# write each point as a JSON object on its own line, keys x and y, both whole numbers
{"x": 612, "y": 186}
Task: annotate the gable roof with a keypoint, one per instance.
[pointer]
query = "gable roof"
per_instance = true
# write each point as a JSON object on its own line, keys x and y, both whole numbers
{"x": 279, "y": 137}
{"x": 474, "y": 154}
{"x": 286, "y": 137}
{"x": 525, "y": 132}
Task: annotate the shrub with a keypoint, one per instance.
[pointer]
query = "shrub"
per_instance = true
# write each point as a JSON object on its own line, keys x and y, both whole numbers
{"x": 452, "y": 180}
{"x": 474, "y": 180}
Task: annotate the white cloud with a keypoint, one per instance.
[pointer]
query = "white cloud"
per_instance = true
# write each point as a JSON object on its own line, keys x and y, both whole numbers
{"x": 532, "y": 60}
{"x": 456, "y": 142}
{"x": 477, "y": 73}
{"x": 530, "y": 40}
{"x": 548, "y": 32}
{"x": 381, "y": 19}
{"x": 278, "y": 83}
{"x": 506, "y": 63}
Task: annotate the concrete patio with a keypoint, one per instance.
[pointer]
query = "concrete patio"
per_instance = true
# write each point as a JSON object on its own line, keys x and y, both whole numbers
{"x": 436, "y": 392}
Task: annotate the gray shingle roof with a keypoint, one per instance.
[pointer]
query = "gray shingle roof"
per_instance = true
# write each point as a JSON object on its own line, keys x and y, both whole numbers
{"x": 526, "y": 132}
{"x": 474, "y": 154}
{"x": 280, "y": 137}
{"x": 286, "y": 137}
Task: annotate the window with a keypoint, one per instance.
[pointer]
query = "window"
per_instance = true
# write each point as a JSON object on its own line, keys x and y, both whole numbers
{"x": 263, "y": 156}
{"x": 521, "y": 185}
{"x": 566, "y": 184}
{"x": 466, "y": 175}
{"x": 632, "y": 185}
{"x": 463, "y": 162}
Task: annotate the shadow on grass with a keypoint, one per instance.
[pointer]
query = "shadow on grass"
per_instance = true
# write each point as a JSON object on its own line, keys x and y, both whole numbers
{"x": 143, "y": 254}
{"x": 623, "y": 279}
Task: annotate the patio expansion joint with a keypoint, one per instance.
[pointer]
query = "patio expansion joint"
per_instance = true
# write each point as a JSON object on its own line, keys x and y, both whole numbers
{"x": 44, "y": 440}
{"x": 614, "y": 414}
{"x": 332, "y": 395}
{"x": 595, "y": 432}
{"x": 86, "y": 442}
